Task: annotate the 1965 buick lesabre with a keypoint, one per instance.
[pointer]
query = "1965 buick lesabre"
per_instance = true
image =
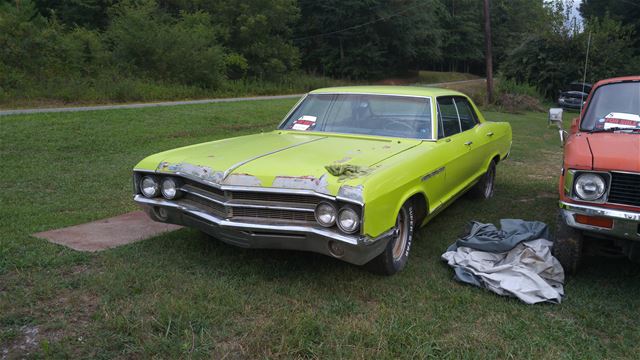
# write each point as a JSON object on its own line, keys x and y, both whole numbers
{"x": 350, "y": 172}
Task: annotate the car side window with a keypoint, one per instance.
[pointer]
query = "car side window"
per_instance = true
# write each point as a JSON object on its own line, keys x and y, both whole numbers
{"x": 468, "y": 118}
{"x": 448, "y": 119}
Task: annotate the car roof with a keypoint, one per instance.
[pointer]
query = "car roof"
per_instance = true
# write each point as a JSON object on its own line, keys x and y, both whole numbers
{"x": 617, "y": 79}
{"x": 389, "y": 90}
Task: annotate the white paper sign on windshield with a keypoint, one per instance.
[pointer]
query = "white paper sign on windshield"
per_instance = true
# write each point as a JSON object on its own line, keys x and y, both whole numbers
{"x": 621, "y": 120}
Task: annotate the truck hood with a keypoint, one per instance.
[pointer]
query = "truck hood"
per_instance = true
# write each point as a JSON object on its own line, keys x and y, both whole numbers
{"x": 314, "y": 161}
{"x": 615, "y": 151}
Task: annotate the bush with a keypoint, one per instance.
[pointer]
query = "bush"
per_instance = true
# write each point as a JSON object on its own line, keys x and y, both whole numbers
{"x": 148, "y": 41}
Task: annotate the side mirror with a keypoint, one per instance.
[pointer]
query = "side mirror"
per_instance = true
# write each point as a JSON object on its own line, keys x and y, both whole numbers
{"x": 555, "y": 119}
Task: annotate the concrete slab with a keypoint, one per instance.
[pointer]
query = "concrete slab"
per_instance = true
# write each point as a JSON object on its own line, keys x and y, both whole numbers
{"x": 107, "y": 233}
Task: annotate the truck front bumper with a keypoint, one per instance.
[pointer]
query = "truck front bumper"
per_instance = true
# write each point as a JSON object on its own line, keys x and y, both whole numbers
{"x": 355, "y": 249}
{"x": 626, "y": 224}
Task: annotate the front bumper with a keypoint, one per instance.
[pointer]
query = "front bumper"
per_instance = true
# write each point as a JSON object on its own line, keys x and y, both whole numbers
{"x": 626, "y": 224}
{"x": 355, "y": 249}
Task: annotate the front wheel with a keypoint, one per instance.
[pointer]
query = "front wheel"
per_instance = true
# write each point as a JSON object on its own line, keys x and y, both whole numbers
{"x": 567, "y": 246}
{"x": 483, "y": 189}
{"x": 395, "y": 255}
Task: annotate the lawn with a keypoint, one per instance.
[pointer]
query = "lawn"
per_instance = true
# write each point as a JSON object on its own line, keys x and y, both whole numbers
{"x": 184, "y": 295}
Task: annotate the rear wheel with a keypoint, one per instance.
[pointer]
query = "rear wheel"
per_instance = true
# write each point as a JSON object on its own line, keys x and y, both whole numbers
{"x": 395, "y": 256}
{"x": 483, "y": 189}
{"x": 567, "y": 246}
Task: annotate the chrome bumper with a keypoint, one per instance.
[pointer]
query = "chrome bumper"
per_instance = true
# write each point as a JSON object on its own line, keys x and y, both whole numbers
{"x": 626, "y": 224}
{"x": 355, "y": 249}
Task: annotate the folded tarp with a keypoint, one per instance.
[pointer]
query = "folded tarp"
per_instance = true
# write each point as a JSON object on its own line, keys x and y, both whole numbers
{"x": 514, "y": 261}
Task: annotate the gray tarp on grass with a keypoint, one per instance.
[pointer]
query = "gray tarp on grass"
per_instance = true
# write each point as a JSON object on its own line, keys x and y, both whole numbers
{"x": 514, "y": 261}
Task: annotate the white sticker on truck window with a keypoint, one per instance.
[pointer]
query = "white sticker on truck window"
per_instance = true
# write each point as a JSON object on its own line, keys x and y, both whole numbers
{"x": 620, "y": 120}
{"x": 304, "y": 123}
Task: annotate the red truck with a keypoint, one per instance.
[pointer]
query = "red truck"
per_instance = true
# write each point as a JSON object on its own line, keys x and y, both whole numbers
{"x": 600, "y": 181}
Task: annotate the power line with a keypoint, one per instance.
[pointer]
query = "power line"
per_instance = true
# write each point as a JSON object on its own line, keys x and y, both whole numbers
{"x": 384, "y": 18}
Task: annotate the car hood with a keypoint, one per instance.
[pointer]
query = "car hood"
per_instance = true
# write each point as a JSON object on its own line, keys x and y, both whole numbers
{"x": 282, "y": 159}
{"x": 615, "y": 151}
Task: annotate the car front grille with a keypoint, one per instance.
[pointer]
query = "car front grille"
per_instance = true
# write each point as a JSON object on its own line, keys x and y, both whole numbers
{"x": 256, "y": 205}
{"x": 625, "y": 189}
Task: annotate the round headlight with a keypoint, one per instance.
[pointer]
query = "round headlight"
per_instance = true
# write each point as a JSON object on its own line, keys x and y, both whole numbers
{"x": 170, "y": 188}
{"x": 590, "y": 186}
{"x": 326, "y": 214}
{"x": 149, "y": 186}
{"x": 348, "y": 220}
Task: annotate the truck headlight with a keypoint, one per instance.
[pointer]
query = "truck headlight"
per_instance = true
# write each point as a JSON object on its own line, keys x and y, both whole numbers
{"x": 590, "y": 186}
{"x": 149, "y": 186}
{"x": 325, "y": 214}
{"x": 348, "y": 220}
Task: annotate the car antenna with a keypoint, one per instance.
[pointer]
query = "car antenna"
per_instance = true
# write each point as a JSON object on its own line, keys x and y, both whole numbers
{"x": 584, "y": 75}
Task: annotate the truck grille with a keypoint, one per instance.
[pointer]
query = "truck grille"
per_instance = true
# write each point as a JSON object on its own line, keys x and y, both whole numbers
{"x": 625, "y": 189}
{"x": 256, "y": 205}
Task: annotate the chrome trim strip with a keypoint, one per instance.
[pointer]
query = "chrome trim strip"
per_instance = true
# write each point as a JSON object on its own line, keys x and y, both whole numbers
{"x": 242, "y": 204}
{"x": 600, "y": 211}
{"x": 256, "y": 189}
{"x": 237, "y": 165}
{"x": 349, "y": 239}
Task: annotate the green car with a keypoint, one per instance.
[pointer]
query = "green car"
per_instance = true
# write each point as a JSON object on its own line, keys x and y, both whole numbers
{"x": 351, "y": 172}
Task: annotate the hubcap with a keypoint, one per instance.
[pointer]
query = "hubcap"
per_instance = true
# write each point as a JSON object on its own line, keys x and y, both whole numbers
{"x": 401, "y": 239}
{"x": 489, "y": 186}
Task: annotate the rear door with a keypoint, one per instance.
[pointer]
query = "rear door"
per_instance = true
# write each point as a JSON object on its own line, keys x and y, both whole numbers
{"x": 456, "y": 146}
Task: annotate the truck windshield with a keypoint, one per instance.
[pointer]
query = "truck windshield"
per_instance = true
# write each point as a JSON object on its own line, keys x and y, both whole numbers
{"x": 366, "y": 114}
{"x": 613, "y": 107}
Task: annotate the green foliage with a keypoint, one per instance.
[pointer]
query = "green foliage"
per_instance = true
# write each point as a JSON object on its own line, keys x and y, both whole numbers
{"x": 509, "y": 86}
{"x": 184, "y": 50}
{"x": 553, "y": 59}
{"x": 369, "y": 47}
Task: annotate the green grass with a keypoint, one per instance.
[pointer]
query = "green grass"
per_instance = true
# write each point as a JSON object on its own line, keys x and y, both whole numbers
{"x": 433, "y": 77}
{"x": 183, "y": 295}
{"x": 118, "y": 89}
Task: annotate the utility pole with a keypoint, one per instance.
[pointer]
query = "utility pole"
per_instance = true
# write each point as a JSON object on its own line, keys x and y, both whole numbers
{"x": 487, "y": 55}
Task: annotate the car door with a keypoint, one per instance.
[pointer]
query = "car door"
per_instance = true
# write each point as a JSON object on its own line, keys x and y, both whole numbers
{"x": 469, "y": 124}
{"x": 455, "y": 147}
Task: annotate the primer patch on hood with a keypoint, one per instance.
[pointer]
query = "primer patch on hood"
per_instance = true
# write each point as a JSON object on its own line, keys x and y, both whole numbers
{"x": 242, "y": 180}
{"x": 302, "y": 182}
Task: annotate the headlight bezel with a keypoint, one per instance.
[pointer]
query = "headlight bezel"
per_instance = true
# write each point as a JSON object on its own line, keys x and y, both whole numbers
{"x": 156, "y": 187}
{"x": 577, "y": 175}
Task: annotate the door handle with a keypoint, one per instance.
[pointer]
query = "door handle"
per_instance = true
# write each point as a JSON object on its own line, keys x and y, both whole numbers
{"x": 490, "y": 133}
{"x": 468, "y": 143}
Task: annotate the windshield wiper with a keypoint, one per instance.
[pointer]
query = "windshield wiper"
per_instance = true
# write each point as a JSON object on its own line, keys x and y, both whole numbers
{"x": 612, "y": 129}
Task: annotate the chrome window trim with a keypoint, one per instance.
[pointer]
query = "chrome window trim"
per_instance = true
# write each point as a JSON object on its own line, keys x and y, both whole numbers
{"x": 297, "y": 105}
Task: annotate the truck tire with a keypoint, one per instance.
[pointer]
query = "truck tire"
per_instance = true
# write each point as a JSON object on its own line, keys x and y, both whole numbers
{"x": 396, "y": 254}
{"x": 567, "y": 246}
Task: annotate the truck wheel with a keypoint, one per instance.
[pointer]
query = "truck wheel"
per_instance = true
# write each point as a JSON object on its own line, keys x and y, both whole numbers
{"x": 483, "y": 189}
{"x": 395, "y": 255}
{"x": 567, "y": 246}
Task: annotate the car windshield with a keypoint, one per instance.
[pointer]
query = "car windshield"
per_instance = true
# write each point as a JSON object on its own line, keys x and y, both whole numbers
{"x": 366, "y": 114}
{"x": 613, "y": 107}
